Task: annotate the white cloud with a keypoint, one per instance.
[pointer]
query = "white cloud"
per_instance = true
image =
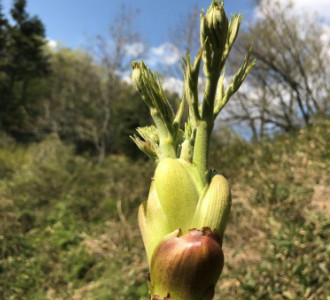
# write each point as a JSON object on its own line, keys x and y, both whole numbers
{"x": 173, "y": 85}
{"x": 321, "y": 7}
{"x": 52, "y": 43}
{"x": 166, "y": 54}
{"x": 163, "y": 55}
{"x": 176, "y": 85}
{"x": 127, "y": 79}
{"x": 325, "y": 37}
{"x": 125, "y": 76}
{"x": 135, "y": 49}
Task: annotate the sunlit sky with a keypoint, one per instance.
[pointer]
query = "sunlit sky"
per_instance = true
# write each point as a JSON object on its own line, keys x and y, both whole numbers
{"x": 72, "y": 22}
{"x": 76, "y": 23}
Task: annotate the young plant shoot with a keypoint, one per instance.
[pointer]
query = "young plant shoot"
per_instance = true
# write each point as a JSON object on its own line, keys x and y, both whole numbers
{"x": 184, "y": 219}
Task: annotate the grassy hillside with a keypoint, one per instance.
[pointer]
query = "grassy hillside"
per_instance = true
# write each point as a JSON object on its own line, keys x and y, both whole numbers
{"x": 68, "y": 226}
{"x": 278, "y": 241}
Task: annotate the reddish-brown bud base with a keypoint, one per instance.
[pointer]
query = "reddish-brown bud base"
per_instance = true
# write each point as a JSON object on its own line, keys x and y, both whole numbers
{"x": 187, "y": 267}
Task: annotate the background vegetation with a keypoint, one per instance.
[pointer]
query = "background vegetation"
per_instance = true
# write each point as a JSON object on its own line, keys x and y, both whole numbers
{"x": 71, "y": 180}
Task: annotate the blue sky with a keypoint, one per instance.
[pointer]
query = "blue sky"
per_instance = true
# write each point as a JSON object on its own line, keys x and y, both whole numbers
{"x": 76, "y": 23}
{"x": 72, "y": 22}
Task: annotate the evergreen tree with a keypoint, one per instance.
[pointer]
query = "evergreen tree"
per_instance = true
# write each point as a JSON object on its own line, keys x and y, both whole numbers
{"x": 3, "y": 63}
{"x": 24, "y": 60}
{"x": 3, "y": 24}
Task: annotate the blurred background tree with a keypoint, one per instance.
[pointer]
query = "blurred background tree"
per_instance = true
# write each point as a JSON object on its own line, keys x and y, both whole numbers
{"x": 290, "y": 83}
{"x": 77, "y": 100}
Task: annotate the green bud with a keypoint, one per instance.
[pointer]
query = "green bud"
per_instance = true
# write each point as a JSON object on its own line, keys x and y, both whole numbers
{"x": 216, "y": 23}
{"x": 186, "y": 267}
{"x": 172, "y": 200}
{"x": 178, "y": 200}
{"x": 152, "y": 222}
{"x": 178, "y": 191}
{"x": 150, "y": 88}
{"x": 203, "y": 29}
{"x": 144, "y": 82}
{"x": 137, "y": 78}
{"x": 214, "y": 205}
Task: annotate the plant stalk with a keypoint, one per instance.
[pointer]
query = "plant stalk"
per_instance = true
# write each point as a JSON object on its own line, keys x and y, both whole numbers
{"x": 205, "y": 126}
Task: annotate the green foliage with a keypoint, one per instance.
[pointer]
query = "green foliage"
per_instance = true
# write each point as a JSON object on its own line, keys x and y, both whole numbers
{"x": 88, "y": 106}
